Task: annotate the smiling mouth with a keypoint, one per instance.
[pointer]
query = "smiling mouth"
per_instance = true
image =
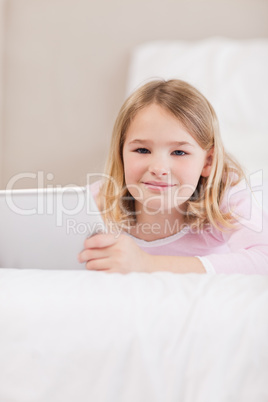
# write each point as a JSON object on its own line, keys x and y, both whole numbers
{"x": 157, "y": 185}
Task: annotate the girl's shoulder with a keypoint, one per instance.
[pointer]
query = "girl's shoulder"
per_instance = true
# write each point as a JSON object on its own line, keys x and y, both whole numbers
{"x": 242, "y": 203}
{"x": 236, "y": 191}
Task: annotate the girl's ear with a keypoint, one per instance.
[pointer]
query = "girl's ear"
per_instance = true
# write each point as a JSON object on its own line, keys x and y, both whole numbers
{"x": 208, "y": 163}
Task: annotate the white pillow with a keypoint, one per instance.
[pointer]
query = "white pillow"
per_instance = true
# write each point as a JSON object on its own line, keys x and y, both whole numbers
{"x": 232, "y": 74}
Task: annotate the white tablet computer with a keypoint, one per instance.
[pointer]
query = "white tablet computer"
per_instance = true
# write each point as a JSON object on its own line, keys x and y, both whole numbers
{"x": 46, "y": 228}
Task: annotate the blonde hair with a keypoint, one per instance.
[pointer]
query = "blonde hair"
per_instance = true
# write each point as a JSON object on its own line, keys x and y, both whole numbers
{"x": 194, "y": 111}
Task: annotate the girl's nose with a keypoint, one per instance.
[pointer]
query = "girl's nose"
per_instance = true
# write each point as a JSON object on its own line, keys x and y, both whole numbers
{"x": 159, "y": 170}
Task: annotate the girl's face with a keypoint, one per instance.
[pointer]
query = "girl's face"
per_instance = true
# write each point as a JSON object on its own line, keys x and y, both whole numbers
{"x": 162, "y": 161}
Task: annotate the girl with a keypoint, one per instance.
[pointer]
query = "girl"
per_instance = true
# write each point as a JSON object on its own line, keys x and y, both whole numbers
{"x": 179, "y": 199}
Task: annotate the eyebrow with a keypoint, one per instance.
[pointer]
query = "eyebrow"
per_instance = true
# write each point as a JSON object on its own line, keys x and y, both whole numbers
{"x": 172, "y": 143}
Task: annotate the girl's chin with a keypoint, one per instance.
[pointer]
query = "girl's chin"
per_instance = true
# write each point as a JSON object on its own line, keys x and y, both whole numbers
{"x": 154, "y": 207}
{"x": 159, "y": 203}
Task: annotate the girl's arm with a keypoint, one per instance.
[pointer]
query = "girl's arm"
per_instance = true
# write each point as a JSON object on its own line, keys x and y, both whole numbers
{"x": 248, "y": 243}
{"x": 179, "y": 265}
{"x": 121, "y": 254}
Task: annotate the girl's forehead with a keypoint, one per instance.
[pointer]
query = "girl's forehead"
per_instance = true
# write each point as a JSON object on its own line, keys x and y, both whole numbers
{"x": 156, "y": 122}
{"x": 154, "y": 109}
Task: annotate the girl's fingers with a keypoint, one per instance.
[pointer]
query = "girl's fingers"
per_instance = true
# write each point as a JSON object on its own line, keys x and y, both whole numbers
{"x": 111, "y": 253}
{"x": 92, "y": 254}
{"x": 100, "y": 241}
{"x": 101, "y": 264}
{"x": 96, "y": 247}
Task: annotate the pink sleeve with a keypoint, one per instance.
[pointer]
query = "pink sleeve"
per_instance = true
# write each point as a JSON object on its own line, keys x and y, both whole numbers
{"x": 249, "y": 242}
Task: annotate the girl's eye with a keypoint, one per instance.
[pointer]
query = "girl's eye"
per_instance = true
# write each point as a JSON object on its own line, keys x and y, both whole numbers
{"x": 142, "y": 151}
{"x": 180, "y": 153}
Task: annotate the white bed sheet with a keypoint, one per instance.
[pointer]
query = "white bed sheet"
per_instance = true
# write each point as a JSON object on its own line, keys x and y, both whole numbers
{"x": 87, "y": 336}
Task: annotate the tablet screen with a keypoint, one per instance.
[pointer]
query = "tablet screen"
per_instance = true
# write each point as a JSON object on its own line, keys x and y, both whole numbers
{"x": 46, "y": 228}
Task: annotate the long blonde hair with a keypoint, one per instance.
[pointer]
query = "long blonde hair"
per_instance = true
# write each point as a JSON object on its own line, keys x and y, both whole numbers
{"x": 195, "y": 112}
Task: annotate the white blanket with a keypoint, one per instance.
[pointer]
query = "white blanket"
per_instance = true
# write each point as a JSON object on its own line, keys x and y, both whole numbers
{"x": 87, "y": 336}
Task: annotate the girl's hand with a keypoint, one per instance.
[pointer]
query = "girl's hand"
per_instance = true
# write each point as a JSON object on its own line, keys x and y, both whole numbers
{"x": 114, "y": 254}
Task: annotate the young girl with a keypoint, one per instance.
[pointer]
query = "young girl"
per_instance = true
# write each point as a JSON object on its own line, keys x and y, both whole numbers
{"x": 179, "y": 199}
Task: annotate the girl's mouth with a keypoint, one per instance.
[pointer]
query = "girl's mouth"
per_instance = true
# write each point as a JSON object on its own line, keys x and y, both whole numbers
{"x": 158, "y": 185}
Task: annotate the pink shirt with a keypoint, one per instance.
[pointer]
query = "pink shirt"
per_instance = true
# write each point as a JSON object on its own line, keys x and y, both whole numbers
{"x": 243, "y": 250}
